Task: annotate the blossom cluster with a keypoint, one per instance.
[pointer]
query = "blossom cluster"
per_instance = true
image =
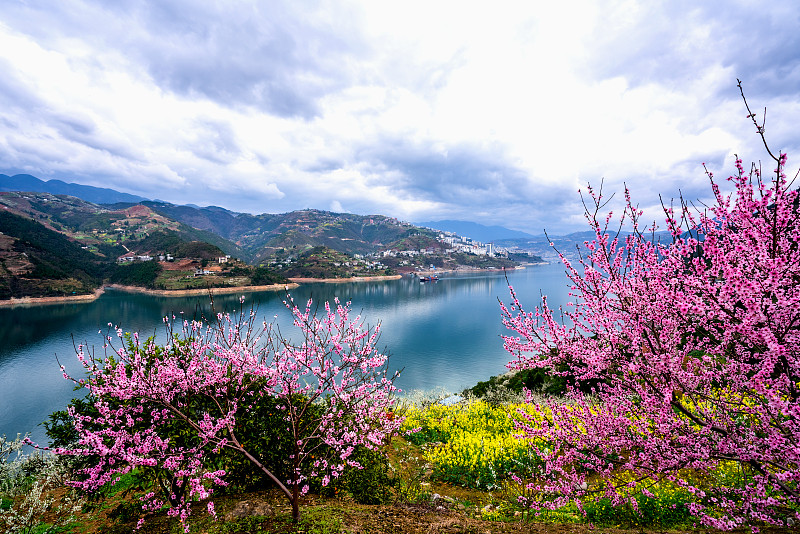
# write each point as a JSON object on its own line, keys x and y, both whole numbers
{"x": 695, "y": 349}
{"x": 175, "y": 407}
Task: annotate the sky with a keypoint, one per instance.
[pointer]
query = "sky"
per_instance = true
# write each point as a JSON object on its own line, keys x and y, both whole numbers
{"x": 492, "y": 112}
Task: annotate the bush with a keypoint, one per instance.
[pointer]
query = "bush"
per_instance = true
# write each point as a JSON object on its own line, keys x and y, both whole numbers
{"x": 369, "y": 485}
{"x": 263, "y": 276}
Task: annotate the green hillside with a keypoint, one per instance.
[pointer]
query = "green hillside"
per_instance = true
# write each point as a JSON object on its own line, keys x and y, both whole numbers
{"x": 177, "y": 244}
{"x": 324, "y": 262}
{"x": 38, "y": 262}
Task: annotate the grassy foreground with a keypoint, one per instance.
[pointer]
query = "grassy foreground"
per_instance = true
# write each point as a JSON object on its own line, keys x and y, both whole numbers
{"x": 448, "y": 472}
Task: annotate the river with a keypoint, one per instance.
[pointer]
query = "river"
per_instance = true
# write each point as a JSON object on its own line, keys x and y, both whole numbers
{"x": 444, "y": 335}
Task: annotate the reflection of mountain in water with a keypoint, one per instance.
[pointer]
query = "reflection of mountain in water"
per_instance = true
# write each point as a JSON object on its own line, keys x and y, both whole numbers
{"x": 442, "y": 334}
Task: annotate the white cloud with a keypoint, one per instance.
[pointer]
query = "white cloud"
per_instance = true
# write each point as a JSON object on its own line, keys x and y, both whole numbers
{"x": 417, "y": 110}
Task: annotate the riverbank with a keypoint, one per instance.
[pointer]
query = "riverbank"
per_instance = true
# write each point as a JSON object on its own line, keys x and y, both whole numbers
{"x": 295, "y": 282}
{"x": 37, "y": 301}
{"x": 343, "y": 280}
{"x": 202, "y": 291}
{"x": 457, "y": 270}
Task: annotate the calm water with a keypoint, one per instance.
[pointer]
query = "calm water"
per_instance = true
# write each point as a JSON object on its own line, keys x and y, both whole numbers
{"x": 444, "y": 334}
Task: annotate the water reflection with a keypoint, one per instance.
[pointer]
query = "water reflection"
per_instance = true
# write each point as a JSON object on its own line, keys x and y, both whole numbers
{"x": 443, "y": 334}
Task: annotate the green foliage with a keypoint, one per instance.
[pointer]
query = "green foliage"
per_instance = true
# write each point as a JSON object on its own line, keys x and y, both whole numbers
{"x": 417, "y": 241}
{"x": 245, "y": 525}
{"x": 525, "y": 257}
{"x": 319, "y": 520}
{"x": 126, "y": 512}
{"x": 532, "y": 379}
{"x": 480, "y": 261}
{"x": 179, "y": 245}
{"x": 60, "y": 266}
{"x": 52, "y": 248}
{"x": 111, "y": 251}
{"x": 137, "y": 273}
{"x": 369, "y": 485}
{"x": 667, "y": 509}
{"x": 263, "y": 431}
{"x": 263, "y": 276}
{"x": 198, "y": 249}
{"x": 100, "y": 221}
{"x": 325, "y": 262}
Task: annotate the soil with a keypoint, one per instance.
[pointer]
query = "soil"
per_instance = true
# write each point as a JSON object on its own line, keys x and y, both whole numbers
{"x": 354, "y": 518}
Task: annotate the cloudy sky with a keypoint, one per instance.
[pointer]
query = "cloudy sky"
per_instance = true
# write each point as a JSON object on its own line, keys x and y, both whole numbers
{"x": 494, "y": 112}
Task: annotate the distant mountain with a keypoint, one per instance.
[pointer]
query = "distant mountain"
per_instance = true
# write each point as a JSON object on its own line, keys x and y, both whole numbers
{"x": 97, "y": 195}
{"x": 478, "y": 232}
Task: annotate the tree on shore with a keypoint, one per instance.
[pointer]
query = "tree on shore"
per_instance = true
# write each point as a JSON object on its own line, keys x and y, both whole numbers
{"x": 175, "y": 407}
{"x": 695, "y": 349}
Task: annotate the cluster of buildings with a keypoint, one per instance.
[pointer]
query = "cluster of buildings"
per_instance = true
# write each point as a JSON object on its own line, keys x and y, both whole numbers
{"x": 454, "y": 244}
{"x": 131, "y": 257}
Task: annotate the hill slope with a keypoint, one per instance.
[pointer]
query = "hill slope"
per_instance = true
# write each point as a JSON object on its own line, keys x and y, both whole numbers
{"x": 36, "y": 261}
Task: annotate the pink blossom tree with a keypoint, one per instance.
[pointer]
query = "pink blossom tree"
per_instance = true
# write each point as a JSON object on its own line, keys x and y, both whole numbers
{"x": 694, "y": 347}
{"x": 331, "y": 388}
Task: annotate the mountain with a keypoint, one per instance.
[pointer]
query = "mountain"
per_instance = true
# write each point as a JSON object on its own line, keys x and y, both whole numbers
{"x": 478, "y": 232}
{"x": 264, "y": 235}
{"x": 37, "y": 261}
{"x": 121, "y": 224}
{"x": 108, "y": 230}
{"x": 97, "y": 195}
{"x": 58, "y": 245}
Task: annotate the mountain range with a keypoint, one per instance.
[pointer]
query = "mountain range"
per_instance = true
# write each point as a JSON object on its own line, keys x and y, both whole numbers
{"x": 98, "y": 195}
{"x": 223, "y": 222}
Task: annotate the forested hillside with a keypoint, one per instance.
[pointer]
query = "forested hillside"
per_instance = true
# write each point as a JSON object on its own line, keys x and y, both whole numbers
{"x": 36, "y": 261}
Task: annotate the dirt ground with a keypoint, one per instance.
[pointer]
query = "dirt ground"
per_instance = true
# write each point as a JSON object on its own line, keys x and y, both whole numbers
{"x": 321, "y": 515}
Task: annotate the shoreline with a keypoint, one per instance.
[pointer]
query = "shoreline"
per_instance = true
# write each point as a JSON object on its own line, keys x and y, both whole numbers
{"x": 343, "y": 280}
{"x": 295, "y": 282}
{"x": 429, "y": 272}
{"x": 37, "y": 301}
{"x": 202, "y": 291}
